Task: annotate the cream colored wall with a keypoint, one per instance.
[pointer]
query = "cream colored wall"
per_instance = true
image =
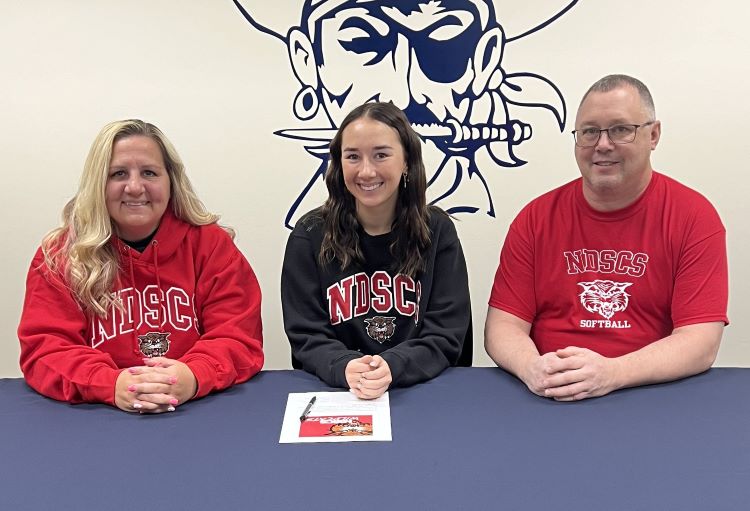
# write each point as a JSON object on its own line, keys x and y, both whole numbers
{"x": 219, "y": 89}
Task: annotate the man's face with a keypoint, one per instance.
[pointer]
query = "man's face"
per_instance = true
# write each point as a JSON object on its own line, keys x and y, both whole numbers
{"x": 613, "y": 173}
{"x": 415, "y": 53}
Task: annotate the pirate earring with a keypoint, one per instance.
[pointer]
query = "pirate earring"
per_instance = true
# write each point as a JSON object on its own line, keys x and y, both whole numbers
{"x": 405, "y": 175}
{"x": 306, "y": 103}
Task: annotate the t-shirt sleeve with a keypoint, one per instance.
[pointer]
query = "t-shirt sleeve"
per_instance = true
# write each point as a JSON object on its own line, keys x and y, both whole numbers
{"x": 513, "y": 288}
{"x": 701, "y": 286}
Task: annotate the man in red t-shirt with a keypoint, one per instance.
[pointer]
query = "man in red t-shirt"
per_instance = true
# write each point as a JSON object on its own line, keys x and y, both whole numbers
{"x": 616, "y": 279}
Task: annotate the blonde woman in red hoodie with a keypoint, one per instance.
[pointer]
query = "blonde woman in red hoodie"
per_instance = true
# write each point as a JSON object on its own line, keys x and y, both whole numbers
{"x": 140, "y": 299}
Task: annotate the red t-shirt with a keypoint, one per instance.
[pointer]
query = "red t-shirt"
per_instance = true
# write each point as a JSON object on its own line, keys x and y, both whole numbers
{"x": 615, "y": 281}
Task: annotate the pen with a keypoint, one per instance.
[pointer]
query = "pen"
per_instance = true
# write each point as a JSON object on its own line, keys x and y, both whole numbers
{"x": 307, "y": 410}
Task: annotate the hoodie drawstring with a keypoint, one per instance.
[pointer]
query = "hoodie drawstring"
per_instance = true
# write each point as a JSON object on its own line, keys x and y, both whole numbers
{"x": 136, "y": 347}
{"x": 133, "y": 315}
{"x": 155, "y": 245}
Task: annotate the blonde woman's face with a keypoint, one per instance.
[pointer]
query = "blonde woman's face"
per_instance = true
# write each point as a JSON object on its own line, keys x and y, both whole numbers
{"x": 138, "y": 187}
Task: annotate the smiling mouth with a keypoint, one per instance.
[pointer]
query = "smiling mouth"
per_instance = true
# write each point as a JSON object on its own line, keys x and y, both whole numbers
{"x": 370, "y": 187}
{"x": 132, "y": 204}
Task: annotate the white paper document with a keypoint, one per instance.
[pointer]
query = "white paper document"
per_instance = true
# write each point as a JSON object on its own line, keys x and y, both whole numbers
{"x": 335, "y": 417}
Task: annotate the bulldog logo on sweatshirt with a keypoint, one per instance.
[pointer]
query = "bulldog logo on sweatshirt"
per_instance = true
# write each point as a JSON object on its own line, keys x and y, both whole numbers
{"x": 154, "y": 344}
{"x": 380, "y": 328}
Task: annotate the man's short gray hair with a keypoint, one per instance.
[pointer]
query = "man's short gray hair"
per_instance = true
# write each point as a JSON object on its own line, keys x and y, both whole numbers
{"x": 611, "y": 82}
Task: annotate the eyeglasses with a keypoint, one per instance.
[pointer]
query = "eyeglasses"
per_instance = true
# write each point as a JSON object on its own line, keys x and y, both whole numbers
{"x": 618, "y": 134}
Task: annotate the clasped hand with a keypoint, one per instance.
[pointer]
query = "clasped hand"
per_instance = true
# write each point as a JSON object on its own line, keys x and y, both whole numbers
{"x": 368, "y": 377}
{"x": 571, "y": 374}
{"x": 160, "y": 385}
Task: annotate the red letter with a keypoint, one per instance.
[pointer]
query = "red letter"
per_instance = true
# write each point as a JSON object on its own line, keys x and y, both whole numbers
{"x": 151, "y": 303}
{"x": 639, "y": 265}
{"x": 128, "y": 297}
{"x": 362, "y": 285}
{"x": 178, "y": 299}
{"x": 623, "y": 262}
{"x": 382, "y": 299}
{"x": 607, "y": 261}
{"x": 340, "y": 301}
{"x": 575, "y": 262}
{"x": 401, "y": 284}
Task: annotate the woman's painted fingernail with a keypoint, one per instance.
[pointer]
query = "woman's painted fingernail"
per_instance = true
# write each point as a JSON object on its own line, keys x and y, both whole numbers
{"x": 173, "y": 401}
{"x": 131, "y": 388}
{"x": 172, "y": 380}
{"x": 137, "y": 406}
{"x": 132, "y": 370}
{"x": 171, "y": 408}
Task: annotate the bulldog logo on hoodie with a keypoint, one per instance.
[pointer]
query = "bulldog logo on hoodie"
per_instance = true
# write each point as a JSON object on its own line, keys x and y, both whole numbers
{"x": 154, "y": 344}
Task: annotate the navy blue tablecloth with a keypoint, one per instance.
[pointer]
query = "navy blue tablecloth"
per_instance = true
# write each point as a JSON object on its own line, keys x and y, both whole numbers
{"x": 473, "y": 438}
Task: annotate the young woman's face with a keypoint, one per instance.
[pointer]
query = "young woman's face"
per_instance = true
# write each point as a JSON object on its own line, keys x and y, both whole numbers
{"x": 138, "y": 187}
{"x": 373, "y": 160}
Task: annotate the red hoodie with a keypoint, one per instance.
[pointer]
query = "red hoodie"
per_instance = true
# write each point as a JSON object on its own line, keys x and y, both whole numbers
{"x": 190, "y": 296}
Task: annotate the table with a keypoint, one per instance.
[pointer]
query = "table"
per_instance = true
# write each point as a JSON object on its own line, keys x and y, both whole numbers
{"x": 473, "y": 438}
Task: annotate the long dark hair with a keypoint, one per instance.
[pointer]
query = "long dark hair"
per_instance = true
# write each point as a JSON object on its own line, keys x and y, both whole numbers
{"x": 411, "y": 222}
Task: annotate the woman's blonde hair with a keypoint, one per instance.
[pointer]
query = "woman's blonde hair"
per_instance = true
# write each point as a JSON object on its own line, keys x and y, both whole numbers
{"x": 79, "y": 251}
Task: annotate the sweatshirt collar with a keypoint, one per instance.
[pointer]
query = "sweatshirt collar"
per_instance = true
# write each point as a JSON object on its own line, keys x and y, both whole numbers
{"x": 168, "y": 235}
